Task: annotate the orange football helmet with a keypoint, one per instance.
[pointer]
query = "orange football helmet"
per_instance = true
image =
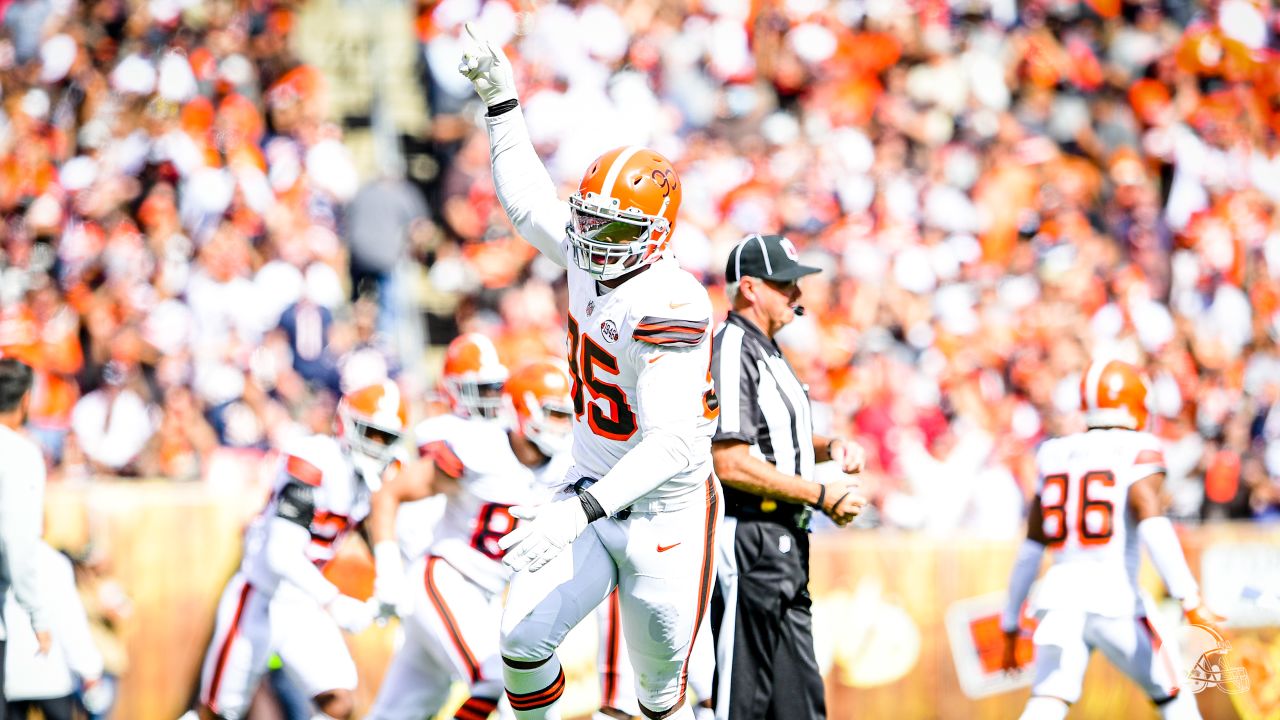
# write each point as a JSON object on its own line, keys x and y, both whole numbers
{"x": 623, "y": 212}
{"x": 473, "y": 376}
{"x": 540, "y": 394}
{"x": 1113, "y": 393}
{"x": 371, "y": 422}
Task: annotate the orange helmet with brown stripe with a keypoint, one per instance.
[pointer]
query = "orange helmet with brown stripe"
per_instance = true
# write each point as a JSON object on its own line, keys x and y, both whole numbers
{"x": 1113, "y": 393}
{"x": 540, "y": 392}
{"x": 623, "y": 212}
{"x": 371, "y": 422}
{"x": 473, "y": 376}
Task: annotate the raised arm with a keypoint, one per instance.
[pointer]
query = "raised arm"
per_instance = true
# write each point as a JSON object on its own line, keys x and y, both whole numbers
{"x": 524, "y": 187}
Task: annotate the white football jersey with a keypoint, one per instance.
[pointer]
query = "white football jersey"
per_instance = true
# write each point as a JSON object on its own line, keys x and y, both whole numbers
{"x": 416, "y": 525}
{"x": 1084, "y": 482}
{"x": 341, "y": 502}
{"x": 491, "y": 479}
{"x": 633, "y": 347}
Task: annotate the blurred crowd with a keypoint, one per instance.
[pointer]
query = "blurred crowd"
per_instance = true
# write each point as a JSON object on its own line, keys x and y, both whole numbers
{"x": 996, "y": 191}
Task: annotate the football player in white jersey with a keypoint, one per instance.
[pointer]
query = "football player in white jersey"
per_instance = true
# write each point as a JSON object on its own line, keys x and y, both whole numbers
{"x": 280, "y": 601}
{"x": 1098, "y": 499}
{"x": 483, "y": 468}
{"x": 471, "y": 381}
{"x": 640, "y": 508}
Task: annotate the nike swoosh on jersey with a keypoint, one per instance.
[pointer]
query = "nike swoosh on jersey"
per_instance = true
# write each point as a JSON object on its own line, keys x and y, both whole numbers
{"x": 664, "y": 548}
{"x": 677, "y": 306}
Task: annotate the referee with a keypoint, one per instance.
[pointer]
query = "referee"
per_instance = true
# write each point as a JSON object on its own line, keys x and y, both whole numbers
{"x": 764, "y": 451}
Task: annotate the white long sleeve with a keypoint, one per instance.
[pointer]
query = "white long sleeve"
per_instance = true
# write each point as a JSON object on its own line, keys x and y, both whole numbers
{"x": 22, "y": 477}
{"x": 524, "y": 187}
{"x": 669, "y": 410}
{"x": 287, "y": 557}
{"x": 1025, "y": 569}
{"x": 1166, "y": 554}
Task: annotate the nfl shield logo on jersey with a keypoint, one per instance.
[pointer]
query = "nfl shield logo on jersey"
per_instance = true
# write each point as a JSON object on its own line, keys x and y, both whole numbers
{"x": 591, "y": 307}
{"x": 609, "y": 330}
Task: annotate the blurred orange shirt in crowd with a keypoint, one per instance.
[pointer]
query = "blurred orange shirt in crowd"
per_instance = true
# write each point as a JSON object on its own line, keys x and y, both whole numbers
{"x": 1003, "y": 195}
{"x": 53, "y": 350}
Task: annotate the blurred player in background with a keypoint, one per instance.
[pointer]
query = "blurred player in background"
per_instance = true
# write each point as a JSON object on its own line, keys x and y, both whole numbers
{"x": 471, "y": 382}
{"x": 279, "y": 601}
{"x": 483, "y": 467}
{"x": 48, "y": 681}
{"x": 640, "y": 508}
{"x": 1098, "y": 498}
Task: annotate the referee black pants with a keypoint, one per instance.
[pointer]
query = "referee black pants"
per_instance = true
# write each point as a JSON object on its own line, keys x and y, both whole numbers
{"x": 763, "y": 625}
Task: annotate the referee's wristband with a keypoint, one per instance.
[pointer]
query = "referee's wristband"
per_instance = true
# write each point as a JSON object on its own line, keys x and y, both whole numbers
{"x": 822, "y": 495}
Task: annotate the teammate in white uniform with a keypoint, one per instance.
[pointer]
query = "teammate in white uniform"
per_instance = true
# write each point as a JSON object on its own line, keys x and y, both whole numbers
{"x": 471, "y": 381}
{"x": 639, "y": 351}
{"x": 279, "y": 601}
{"x": 482, "y": 469}
{"x": 1098, "y": 496}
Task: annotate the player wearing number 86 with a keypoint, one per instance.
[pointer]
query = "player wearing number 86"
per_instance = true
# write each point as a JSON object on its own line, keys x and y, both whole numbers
{"x": 482, "y": 465}
{"x": 644, "y": 409}
{"x": 1098, "y": 500}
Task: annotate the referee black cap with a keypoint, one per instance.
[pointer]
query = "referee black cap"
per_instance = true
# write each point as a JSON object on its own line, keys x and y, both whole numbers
{"x": 770, "y": 257}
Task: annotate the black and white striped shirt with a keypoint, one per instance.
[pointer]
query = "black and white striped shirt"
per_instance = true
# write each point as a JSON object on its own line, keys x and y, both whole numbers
{"x": 762, "y": 403}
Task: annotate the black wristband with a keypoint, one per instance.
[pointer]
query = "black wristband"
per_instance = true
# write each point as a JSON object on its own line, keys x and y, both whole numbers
{"x": 591, "y": 506}
{"x": 505, "y": 106}
{"x": 836, "y": 505}
{"x": 822, "y": 495}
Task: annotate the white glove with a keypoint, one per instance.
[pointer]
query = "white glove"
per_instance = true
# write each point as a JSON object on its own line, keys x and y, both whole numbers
{"x": 351, "y": 614}
{"x": 547, "y": 530}
{"x": 389, "y": 586}
{"x": 488, "y": 69}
